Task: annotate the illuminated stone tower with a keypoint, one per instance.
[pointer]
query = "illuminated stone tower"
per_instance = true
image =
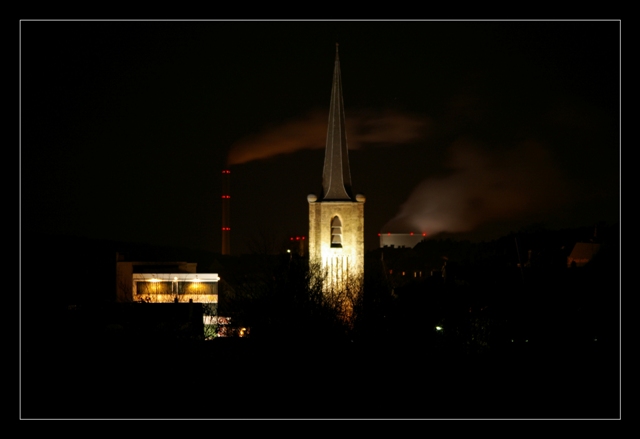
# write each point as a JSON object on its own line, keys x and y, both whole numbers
{"x": 336, "y": 216}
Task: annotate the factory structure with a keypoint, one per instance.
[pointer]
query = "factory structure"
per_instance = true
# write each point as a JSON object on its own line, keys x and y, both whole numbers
{"x": 336, "y": 214}
{"x": 297, "y": 245}
{"x": 400, "y": 240}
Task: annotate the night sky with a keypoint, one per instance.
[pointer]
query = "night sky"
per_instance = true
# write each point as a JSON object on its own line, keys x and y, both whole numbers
{"x": 476, "y": 128}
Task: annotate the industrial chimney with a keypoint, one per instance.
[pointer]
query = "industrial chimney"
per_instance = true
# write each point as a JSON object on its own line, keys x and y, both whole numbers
{"x": 226, "y": 215}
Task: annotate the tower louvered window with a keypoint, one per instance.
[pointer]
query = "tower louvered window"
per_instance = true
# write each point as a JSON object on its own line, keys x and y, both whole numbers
{"x": 336, "y": 232}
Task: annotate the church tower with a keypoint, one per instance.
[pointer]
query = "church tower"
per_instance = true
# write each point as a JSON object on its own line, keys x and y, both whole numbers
{"x": 336, "y": 216}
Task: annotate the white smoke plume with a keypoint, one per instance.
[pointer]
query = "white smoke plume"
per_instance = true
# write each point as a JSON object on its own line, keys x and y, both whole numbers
{"x": 482, "y": 187}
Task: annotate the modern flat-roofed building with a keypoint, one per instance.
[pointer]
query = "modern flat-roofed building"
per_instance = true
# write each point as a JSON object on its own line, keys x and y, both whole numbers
{"x": 163, "y": 281}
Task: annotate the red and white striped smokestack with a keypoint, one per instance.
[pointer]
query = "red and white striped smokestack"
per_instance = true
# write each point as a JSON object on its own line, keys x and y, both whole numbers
{"x": 226, "y": 212}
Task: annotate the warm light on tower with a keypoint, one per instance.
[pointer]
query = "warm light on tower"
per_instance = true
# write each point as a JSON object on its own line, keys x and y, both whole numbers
{"x": 336, "y": 214}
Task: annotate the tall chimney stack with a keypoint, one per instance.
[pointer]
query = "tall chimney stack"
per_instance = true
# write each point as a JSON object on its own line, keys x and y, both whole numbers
{"x": 226, "y": 214}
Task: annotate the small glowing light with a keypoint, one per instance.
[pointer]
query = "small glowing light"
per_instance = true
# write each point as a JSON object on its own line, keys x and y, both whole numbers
{"x": 378, "y": 234}
{"x": 511, "y": 340}
{"x": 438, "y": 328}
{"x": 411, "y": 233}
{"x": 424, "y": 234}
{"x": 389, "y": 233}
{"x": 175, "y": 278}
{"x": 526, "y": 341}
{"x": 288, "y": 251}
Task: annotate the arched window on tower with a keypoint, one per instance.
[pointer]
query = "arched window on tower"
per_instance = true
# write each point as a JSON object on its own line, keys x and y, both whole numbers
{"x": 336, "y": 232}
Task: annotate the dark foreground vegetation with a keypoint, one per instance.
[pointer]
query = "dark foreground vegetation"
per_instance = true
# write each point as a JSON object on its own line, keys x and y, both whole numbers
{"x": 507, "y": 331}
{"x": 241, "y": 378}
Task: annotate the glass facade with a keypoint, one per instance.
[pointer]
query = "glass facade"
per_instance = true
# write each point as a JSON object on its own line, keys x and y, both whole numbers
{"x": 172, "y": 287}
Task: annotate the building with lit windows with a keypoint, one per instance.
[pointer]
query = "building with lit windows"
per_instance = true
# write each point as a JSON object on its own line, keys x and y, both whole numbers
{"x": 169, "y": 282}
{"x": 158, "y": 282}
{"x": 175, "y": 287}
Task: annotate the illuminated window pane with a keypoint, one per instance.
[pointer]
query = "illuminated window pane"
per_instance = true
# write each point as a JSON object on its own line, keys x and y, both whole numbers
{"x": 336, "y": 232}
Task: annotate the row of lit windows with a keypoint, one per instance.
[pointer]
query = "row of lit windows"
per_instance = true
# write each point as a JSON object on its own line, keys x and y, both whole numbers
{"x": 145, "y": 288}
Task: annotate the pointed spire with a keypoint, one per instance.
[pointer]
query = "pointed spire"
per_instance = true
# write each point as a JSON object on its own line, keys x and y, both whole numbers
{"x": 336, "y": 176}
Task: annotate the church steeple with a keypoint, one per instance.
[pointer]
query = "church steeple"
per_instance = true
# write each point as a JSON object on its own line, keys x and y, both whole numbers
{"x": 336, "y": 176}
{"x": 336, "y": 217}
